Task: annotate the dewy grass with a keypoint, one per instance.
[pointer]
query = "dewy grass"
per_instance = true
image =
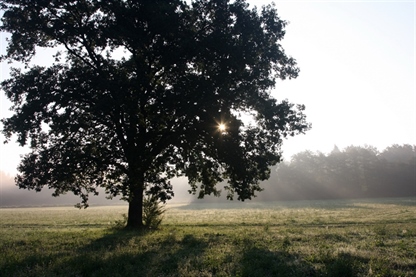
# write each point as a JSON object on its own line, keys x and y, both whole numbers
{"x": 327, "y": 238}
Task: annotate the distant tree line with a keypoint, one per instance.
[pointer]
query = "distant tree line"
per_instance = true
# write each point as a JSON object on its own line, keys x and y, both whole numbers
{"x": 355, "y": 172}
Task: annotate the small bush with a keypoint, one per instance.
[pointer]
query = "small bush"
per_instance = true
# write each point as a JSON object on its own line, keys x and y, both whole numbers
{"x": 153, "y": 212}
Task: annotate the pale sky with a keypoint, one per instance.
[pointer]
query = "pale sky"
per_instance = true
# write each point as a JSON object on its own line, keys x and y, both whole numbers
{"x": 357, "y": 78}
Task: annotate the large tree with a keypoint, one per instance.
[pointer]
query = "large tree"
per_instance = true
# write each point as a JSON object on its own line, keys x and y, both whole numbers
{"x": 138, "y": 91}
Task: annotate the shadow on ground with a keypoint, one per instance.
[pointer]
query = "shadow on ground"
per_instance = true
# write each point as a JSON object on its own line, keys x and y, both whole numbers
{"x": 173, "y": 252}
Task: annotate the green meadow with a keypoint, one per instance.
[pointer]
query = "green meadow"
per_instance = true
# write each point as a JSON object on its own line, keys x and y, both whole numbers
{"x": 374, "y": 237}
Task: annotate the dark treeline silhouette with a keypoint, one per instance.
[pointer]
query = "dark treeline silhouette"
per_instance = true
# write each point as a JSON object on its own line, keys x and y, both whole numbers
{"x": 354, "y": 172}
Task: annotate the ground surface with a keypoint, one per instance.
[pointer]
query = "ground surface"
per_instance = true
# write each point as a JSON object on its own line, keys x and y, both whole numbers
{"x": 303, "y": 238}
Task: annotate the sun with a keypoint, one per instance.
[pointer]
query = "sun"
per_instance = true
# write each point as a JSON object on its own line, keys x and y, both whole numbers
{"x": 222, "y": 127}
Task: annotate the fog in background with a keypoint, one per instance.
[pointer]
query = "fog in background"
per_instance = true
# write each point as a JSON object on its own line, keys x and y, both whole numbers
{"x": 357, "y": 80}
{"x": 353, "y": 172}
{"x": 357, "y": 74}
{"x": 12, "y": 196}
{"x": 350, "y": 173}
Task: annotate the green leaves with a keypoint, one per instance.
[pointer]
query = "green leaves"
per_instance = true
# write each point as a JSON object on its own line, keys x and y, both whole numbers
{"x": 140, "y": 91}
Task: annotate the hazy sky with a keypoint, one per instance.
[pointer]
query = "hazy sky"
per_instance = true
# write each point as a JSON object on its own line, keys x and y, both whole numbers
{"x": 357, "y": 79}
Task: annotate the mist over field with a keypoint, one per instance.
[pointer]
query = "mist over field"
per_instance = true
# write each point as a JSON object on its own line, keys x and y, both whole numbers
{"x": 342, "y": 36}
{"x": 12, "y": 196}
{"x": 353, "y": 172}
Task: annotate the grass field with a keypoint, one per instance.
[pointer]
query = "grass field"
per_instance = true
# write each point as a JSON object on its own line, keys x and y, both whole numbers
{"x": 303, "y": 238}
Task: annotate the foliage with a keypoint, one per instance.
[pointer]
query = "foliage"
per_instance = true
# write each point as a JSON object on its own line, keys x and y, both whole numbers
{"x": 354, "y": 172}
{"x": 152, "y": 212}
{"x": 329, "y": 238}
{"x": 137, "y": 92}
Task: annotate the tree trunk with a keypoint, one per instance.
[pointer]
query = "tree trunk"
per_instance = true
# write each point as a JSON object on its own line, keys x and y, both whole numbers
{"x": 135, "y": 214}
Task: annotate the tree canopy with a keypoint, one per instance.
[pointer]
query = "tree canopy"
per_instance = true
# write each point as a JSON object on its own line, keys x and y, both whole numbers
{"x": 137, "y": 92}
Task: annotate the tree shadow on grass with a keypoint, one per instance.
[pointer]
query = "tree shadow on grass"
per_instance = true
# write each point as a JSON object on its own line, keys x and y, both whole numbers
{"x": 262, "y": 262}
{"x": 118, "y": 253}
{"x": 131, "y": 253}
{"x": 172, "y": 252}
{"x": 160, "y": 253}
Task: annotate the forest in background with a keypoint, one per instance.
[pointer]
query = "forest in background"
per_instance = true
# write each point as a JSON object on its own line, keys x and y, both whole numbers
{"x": 353, "y": 172}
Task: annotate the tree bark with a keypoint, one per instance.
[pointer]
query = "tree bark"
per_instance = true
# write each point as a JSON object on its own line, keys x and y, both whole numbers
{"x": 135, "y": 213}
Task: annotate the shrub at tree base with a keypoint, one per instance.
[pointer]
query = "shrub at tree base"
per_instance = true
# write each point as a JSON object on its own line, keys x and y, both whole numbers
{"x": 152, "y": 212}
